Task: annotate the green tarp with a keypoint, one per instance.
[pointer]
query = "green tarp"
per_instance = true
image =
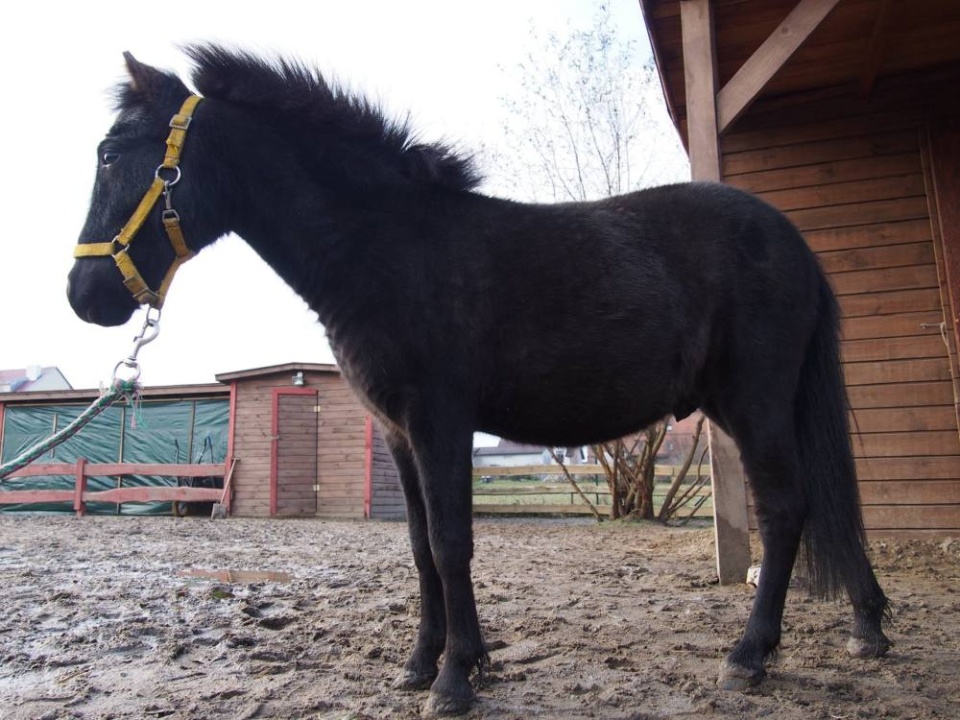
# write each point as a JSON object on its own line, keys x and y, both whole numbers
{"x": 183, "y": 431}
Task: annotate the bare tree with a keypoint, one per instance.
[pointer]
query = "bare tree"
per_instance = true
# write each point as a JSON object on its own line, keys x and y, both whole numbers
{"x": 629, "y": 465}
{"x": 587, "y": 120}
{"x": 681, "y": 493}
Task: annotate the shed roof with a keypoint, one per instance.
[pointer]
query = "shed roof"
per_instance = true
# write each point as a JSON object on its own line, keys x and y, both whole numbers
{"x": 156, "y": 392}
{"x": 276, "y": 369}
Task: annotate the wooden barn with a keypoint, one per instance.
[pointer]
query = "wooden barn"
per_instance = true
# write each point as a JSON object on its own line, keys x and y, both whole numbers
{"x": 844, "y": 114}
{"x": 299, "y": 443}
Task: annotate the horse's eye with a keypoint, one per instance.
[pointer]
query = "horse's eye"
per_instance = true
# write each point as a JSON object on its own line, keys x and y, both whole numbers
{"x": 108, "y": 158}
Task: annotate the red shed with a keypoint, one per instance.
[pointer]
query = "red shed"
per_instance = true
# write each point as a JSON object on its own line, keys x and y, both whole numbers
{"x": 307, "y": 447}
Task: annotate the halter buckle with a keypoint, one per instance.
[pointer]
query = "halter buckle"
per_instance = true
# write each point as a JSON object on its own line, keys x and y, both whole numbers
{"x": 181, "y": 122}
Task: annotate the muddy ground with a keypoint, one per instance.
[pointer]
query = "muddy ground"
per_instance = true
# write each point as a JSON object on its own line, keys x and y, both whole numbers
{"x": 99, "y": 620}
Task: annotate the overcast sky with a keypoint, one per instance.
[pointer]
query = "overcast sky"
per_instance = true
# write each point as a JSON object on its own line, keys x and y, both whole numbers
{"x": 447, "y": 63}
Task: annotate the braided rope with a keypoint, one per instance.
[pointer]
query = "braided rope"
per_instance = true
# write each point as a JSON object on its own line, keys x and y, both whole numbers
{"x": 121, "y": 389}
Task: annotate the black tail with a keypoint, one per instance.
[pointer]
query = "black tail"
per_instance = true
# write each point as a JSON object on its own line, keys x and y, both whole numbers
{"x": 834, "y": 541}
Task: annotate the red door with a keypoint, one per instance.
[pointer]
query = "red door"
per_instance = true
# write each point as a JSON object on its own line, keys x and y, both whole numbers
{"x": 293, "y": 479}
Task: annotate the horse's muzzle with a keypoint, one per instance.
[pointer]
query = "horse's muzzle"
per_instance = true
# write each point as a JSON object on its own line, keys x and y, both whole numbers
{"x": 106, "y": 304}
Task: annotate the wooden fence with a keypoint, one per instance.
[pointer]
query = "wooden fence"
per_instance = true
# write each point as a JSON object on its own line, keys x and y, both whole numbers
{"x": 556, "y": 498}
{"x": 79, "y": 496}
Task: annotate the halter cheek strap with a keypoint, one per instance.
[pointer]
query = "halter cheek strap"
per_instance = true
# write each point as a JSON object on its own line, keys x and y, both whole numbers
{"x": 166, "y": 176}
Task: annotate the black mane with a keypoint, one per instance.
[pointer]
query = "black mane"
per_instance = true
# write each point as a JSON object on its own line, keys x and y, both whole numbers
{"x": 340, "y": 129}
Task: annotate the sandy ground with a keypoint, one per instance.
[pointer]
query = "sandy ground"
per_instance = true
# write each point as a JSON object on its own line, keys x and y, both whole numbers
{"x": 99, "y": 620}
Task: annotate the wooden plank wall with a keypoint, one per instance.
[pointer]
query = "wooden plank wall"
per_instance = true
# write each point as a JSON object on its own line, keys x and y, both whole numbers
{"x": 341, "y": 453}
{"x": 855, "y": 186}
{"x": 252, "y": 441}
{"x": 387, "y": 502}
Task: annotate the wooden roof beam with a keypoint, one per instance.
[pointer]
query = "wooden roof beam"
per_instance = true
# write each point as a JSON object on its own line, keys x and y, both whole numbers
{"x": 743, "y": 88}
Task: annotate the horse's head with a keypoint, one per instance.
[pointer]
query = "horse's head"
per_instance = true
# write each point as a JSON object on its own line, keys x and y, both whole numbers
{"x": 143, "y": 220}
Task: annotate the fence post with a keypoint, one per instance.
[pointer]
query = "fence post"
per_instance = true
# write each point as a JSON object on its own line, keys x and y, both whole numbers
{"x": 80, "y": 487}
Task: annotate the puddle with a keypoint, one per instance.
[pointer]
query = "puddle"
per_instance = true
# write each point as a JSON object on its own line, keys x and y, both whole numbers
{"x": 236, "y": 576}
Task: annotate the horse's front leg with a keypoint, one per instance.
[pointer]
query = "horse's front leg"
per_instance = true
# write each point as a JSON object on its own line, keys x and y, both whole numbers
{"x": 420, "y": 670}
{"x": 443, "y": 458}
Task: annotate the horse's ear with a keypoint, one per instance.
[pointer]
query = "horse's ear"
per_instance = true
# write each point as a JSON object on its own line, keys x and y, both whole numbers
{"x": 147, "y": 82}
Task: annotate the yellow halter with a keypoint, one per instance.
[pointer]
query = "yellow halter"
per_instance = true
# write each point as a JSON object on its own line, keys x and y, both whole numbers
{"x": 118, "y": 248}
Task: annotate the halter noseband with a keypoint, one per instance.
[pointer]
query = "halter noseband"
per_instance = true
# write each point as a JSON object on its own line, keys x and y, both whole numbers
{"x": 118, "y": 248}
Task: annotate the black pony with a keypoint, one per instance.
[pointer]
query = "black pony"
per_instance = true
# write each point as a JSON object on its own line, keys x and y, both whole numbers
{"x": 451, "y": 312}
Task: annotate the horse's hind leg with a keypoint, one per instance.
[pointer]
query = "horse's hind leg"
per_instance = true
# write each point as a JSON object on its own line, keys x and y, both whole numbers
{"x": 769, "y": 457}
{"x": 420, "y": 670}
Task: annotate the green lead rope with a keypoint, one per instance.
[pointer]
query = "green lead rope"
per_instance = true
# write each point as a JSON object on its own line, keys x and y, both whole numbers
{"x": 120, "y": 390}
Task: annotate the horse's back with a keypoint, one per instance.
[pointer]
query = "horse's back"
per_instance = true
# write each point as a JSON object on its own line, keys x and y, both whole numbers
{"x": 642, "y": 305}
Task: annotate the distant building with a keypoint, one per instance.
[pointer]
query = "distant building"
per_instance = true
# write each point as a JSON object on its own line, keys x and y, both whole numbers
{"x": 293, "y": 439}
{"x": 676, "y": 447}
{"x": 33, "y": 379}
{"x": 510, "y": 454}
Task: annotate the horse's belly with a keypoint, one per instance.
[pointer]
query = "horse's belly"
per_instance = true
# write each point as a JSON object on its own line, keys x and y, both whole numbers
{"x": 573, "y": 414}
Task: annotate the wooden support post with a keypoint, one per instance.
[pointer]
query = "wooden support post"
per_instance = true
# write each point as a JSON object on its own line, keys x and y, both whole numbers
{"x": 729, "y": 491}
{"x": 700, "y": 76}
{"x": 368, "y": 467}
{"x": 731, "y": 528}
{"x": 80, "y": 487}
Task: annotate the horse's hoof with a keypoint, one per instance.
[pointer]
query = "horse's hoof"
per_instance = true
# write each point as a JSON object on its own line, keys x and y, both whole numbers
{"x": 864, "y": 648}
{"x": 446, "y": 705}
{"x": 413, "y": 680}
{"x": 736, "y": 677}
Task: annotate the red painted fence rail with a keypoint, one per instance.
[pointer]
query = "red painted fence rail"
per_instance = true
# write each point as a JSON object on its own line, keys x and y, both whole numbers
{"x": 81, "y": 470}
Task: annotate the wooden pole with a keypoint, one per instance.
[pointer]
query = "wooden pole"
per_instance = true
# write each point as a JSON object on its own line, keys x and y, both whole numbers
{"x": 731, "y": 528}
{"x": 80, "y": 487}
{"x": 368, "y": 467}
{"x": 941, "y": 158}
{"x": 700, "y": 76}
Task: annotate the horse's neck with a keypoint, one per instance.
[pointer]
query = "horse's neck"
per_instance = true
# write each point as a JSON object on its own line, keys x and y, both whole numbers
{"x": 318, "y": 239}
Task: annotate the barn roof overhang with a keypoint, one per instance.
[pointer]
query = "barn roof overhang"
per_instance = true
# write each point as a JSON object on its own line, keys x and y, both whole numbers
{"x": 765, "y": 50}
{"x": 723, "y": 61}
